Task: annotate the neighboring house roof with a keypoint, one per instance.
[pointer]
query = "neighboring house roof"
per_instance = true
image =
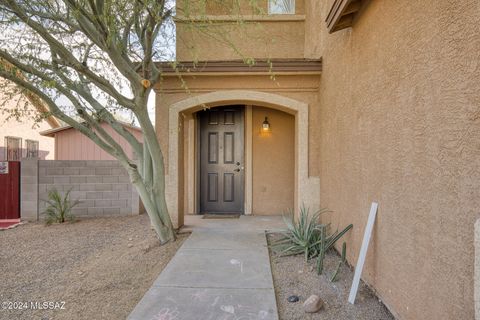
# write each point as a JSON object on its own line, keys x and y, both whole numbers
{"x": 36, "y": 101}
{"x": 42, "y": 108}
{"x": 52, "y": 132}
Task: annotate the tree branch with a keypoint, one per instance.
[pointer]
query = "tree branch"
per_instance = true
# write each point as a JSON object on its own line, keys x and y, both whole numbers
{"x": 69, "y": 59}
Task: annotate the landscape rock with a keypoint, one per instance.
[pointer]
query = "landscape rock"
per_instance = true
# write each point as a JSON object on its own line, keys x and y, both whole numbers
{"x": 130, "y": 245}
{"x": 313, "y": 304}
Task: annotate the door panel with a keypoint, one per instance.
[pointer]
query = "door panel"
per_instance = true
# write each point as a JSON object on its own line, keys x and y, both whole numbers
{"x": 212, "y": 147}
{"x": 221, "y": 160}
{"x": 229, "y": 147}
{"x": 228, "y": 187}
{"x": 212, "y": 187}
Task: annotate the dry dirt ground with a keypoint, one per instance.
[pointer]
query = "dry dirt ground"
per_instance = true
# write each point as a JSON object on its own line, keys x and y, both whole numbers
{"x": 292, "y": 276}
{"x": 99, "y": 267}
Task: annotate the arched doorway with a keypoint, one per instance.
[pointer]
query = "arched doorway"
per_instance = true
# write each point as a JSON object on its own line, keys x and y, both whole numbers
{"x": 305, "y": 188}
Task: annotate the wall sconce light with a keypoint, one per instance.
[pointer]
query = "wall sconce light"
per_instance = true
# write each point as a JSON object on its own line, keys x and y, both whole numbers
{"x": 266, "y": 125}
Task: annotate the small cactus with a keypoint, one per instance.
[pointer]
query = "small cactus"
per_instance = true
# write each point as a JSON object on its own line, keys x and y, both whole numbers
{"x": 322, "y": 248}
{"x": 333, "y": 278}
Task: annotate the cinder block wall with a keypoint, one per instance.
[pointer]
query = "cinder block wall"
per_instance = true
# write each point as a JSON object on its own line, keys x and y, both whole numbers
{"x": 102, "y": 187}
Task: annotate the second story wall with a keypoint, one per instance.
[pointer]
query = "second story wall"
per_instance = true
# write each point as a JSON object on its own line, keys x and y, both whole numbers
{"x": 226, "y": 30}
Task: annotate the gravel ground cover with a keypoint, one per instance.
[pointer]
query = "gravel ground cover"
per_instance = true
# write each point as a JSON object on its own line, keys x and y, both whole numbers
{"x": 99, "y": 267}
{"x": 292, "y": 276}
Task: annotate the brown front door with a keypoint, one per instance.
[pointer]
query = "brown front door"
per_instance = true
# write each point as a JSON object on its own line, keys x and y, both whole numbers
{"x": 221, "y": 160}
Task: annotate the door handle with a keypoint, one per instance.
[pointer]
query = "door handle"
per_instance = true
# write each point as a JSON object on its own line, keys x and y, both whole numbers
{"x": 236, "y": 170}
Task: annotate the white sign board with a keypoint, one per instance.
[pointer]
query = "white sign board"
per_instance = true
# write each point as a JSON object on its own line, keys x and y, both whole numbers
{"x": 4, "y": 167}
{"x": 363, "y": 252}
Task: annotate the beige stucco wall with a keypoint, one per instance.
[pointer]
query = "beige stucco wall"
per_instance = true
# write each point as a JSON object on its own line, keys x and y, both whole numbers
{"x": 400, "y": 124}
{"x": 273, "y": 156}
{"x": 246, "y": 31}
{"x": 395, "y": 119}
{"x": 266, "y": 38}
{"x": 24, "y": 127}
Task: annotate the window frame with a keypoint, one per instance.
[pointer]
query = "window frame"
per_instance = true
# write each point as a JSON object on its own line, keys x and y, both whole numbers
{"x": 9, "y": 150}
{"x": 270, "y": 3}
{"x": 28, "y": 144}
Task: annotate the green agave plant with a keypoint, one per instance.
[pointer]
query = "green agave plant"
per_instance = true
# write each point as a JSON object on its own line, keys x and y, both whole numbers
{"x": 307, "y": 236}
{"x": 301, "y": 236}
{"x": 59, "y": 208}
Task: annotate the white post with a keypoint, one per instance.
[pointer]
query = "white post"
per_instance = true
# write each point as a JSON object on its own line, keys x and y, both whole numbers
{"x": 477, "y": 270}
{"x": 363, "y": 252}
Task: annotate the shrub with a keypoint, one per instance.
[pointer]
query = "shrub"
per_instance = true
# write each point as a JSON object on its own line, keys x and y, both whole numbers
{"x": 301, "y": 236}
{"x": 307, "y": 236}
{"x": 59, "y": 208}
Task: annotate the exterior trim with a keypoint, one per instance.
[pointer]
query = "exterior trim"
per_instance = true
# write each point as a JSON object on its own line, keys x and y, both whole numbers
{"x": 239, "y": 66}
{"x": 249, "y": 18}
{"x": 248, "y": 160}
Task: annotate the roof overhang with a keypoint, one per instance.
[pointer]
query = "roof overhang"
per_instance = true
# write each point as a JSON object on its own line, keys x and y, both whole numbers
{"x": 42, "y": 108}
{"x": 37, "y": 103}
{"x": 51, "y": 132}
{"x": 344, "y": 13}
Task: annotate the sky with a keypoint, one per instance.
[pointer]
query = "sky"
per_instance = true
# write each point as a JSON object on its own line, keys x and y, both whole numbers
{"x": 166, "y": 52}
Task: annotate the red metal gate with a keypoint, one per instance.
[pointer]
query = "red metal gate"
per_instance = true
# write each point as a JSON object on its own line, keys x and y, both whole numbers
{"x": 10, "y": 190}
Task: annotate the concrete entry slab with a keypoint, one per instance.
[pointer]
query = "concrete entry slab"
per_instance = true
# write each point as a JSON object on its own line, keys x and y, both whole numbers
{"x": 221, "y": 272}
{"x": 225, "y": 239}
{"x": 243, "y": 224}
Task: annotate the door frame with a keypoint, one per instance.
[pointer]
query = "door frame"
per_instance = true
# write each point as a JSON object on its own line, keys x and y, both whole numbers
{"x": 197, "y": 165}
{"x": 193, "y": 129}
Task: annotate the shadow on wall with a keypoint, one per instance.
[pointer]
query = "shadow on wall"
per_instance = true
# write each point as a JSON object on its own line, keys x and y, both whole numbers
{"x": 42, "y": 154}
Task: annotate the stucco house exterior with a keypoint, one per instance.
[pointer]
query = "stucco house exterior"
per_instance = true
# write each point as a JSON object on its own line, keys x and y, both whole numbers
{"x": 348, "y": 102}
{"x": 70, "y": 144}
{"x": 21, "y": 138}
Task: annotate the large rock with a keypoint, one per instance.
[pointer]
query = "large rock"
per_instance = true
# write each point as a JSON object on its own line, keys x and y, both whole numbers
{"x": 313, "y": 304}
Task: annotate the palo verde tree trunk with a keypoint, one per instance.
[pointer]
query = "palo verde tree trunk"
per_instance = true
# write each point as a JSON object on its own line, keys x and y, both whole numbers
{"x": 88, "y": 61}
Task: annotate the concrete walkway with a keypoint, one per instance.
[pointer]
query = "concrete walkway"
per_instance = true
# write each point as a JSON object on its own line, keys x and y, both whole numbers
{"x": 222, "y": 271}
